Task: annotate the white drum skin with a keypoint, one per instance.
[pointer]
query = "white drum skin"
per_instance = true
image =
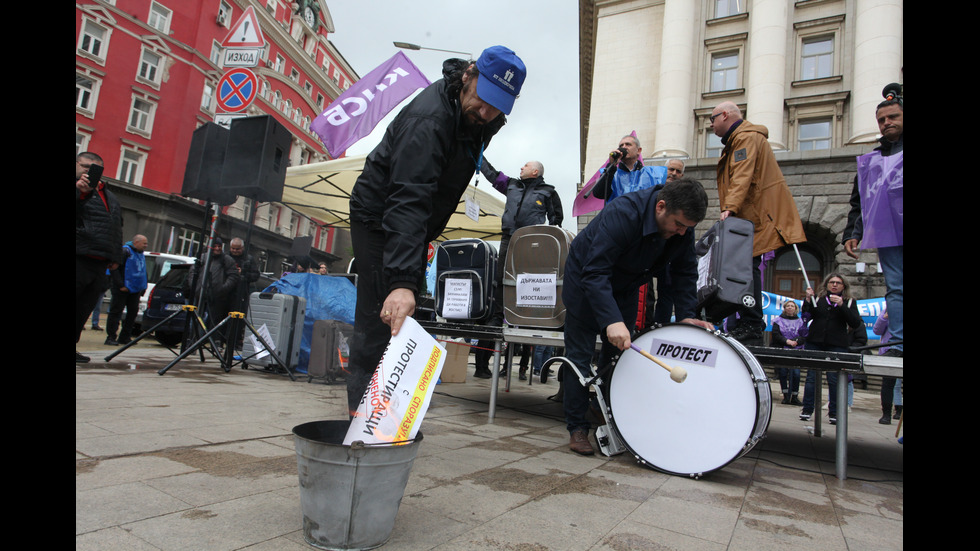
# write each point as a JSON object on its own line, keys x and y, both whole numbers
{"x": 697, "y": 426}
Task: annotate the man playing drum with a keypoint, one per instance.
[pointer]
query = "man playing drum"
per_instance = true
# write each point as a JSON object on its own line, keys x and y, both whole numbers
{"x": 632, "y": 238}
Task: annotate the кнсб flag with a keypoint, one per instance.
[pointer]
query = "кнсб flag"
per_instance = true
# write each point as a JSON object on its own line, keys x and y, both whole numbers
{"x": 356, "y": 112}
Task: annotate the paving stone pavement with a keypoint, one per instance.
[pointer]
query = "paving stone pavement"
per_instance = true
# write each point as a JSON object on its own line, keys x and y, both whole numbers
{"x": 199, "y": 458}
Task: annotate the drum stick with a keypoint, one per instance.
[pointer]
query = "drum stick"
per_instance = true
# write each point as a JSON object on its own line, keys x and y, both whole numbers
{"x": 677, "y": 374}
{"x": 805, "y": 277}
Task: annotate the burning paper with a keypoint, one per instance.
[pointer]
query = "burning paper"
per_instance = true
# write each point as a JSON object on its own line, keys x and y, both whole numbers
{"x": 398, "y": 395}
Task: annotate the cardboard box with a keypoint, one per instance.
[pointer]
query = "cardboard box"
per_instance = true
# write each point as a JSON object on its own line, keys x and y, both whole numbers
{"x": 457, "y": 358}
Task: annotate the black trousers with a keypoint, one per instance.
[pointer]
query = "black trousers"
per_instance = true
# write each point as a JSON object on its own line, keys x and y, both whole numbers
{"x": 371, "y": 335}
{"x": 90, "y": 282}
{"x": 122, "y": 300}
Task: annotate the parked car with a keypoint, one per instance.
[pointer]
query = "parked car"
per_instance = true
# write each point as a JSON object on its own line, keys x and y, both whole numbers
{"x": 157, "y": 266}
{"x": 166, "y": 298}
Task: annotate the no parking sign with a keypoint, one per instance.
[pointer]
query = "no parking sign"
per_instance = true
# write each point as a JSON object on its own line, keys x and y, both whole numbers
{"x": 236, "y": 90}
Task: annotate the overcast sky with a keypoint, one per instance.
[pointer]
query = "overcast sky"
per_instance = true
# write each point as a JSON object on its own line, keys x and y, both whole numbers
{"x": 544, "y": 124}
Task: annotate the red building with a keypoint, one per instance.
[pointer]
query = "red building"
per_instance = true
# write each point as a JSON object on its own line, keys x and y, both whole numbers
{"x": 146, "y": 73}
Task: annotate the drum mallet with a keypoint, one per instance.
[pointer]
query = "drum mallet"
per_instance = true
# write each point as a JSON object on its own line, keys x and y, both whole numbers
{"x": 677, "y": 374}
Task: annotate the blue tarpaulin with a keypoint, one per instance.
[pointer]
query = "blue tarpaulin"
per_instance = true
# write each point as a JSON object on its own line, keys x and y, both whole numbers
{"x": 327, "y": 298}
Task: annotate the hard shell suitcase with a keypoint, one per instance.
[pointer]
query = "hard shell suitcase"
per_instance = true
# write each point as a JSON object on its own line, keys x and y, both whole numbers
{"x": 283, "y": 315}
{"x": 534, "y": 272}
{"x": 329, "y": 349}
{"x": 464, "y": 279}
{"x": 725, "y": 269}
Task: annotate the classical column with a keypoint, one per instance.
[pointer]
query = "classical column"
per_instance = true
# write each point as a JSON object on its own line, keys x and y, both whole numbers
{"x": 878, "y": 40}
{"x": 675, "y": 121}
{"x": 765, "y": 84}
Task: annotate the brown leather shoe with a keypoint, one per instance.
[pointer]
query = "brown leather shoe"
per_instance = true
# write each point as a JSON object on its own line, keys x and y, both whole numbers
{"x": 579, "y": 442}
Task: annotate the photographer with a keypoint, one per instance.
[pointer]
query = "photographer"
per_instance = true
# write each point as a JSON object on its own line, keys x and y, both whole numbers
{"x": 98, "y": 238}
{"x": 626, "y": 172}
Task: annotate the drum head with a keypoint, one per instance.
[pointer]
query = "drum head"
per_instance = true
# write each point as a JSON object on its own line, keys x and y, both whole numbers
{"x": 686, "y": 428}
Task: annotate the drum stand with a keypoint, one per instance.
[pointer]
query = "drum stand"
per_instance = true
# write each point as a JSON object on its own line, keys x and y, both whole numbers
{"x": 605, "y": 435}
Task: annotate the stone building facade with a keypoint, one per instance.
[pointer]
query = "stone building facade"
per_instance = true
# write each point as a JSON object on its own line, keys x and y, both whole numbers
{"x": 811, "y": 71}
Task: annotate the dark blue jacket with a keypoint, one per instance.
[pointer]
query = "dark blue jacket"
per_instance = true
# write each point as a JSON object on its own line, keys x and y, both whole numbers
{"x": 620, "y": 250}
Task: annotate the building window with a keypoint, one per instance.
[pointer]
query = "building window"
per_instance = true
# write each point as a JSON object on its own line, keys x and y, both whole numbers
{"x": 815, "y": 135}
{"x": 215, "y": 56}
{"x": 280, "y": 64}
{"x": 159, "y": 18}
{"x": 141, "y": 117}
{"x": 150, "y": 67}
{"x": 85, "y": 93}
{"x": 713, "y": 147}
{"x": 93, "y": 40}
{"x": 131, "y": 167}
{"x": 724, "y": 8}
{"x": 294, "y": 75}
{"x": 81, "y": 141}
{"x": 817, "y": 58}
{"x": 224, "y": 14}
{"x": 207, "y": 98}
{"x": 186, "y": 241}
{"x": 724, "y": 71}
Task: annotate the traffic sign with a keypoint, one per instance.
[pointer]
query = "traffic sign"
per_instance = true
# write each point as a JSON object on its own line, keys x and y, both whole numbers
{"x": 236, "y": 90}
{"x": 245, "y": 33}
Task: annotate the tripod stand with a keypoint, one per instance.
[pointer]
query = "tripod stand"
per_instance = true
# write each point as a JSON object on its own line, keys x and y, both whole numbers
{"x": 233, "y": 318}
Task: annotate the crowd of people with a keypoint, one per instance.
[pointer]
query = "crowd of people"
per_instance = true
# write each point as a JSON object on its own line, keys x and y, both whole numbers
{"x": 413, "y": 180}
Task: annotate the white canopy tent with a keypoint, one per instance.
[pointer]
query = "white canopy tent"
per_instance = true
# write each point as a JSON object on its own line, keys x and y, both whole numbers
{"x": 322, "y": 192}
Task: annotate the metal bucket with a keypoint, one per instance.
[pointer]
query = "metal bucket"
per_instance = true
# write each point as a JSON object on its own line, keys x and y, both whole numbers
{"x": 349, "y": 495}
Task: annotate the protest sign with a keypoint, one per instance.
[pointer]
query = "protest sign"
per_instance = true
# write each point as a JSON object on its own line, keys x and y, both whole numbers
{"x": 398, "y": 395}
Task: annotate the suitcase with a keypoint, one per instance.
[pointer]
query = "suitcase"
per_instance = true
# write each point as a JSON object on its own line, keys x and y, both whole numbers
{"x": 284, "y": 316}
{"x": 464, "y": 279}
{"x": 534, "y": 271}
{"x": 329, "y": 349}
{"x": 725, "y": 269}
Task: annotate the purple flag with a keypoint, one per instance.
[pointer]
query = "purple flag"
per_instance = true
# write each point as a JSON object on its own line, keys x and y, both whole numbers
{"x": 356, "y": 112}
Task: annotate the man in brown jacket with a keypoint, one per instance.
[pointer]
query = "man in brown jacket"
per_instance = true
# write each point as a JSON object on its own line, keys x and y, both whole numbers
{"x": 751, "y": 186}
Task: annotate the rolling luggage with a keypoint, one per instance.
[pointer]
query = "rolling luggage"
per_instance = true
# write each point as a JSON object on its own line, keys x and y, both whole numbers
{"x": 329, "y": 349}
{"x": 283, "y": 315}
{"x": 725, "y": 268}
{"x": 534, "y": 271}
{"x": 464, "y": 279}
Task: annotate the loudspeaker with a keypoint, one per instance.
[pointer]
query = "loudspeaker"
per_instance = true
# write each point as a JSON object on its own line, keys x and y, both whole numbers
{"x": 202, "y": 177}
{"x": 256, "y": 158}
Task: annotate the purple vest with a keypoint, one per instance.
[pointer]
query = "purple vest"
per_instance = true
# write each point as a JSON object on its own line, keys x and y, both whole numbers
{"x": 880, "y": 185}
{"x": 790, "y": 328}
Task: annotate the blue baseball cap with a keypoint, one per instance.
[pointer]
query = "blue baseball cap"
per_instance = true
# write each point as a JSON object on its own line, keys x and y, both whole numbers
{"x": 503, "y": 75}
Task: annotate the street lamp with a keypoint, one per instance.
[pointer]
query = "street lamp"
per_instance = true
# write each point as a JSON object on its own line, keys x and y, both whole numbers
{"x": 408, "y": 46}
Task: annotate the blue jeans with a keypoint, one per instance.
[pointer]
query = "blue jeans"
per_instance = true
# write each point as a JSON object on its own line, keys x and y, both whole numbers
{"x": 892, "y": 267}
{"x": 542, "y": 353}
{"x": 809, "y": 387}
{"x": 789, "y": 380}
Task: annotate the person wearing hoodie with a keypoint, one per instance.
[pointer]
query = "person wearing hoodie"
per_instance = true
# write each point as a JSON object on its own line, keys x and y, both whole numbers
{"x": 751, "y": 187}
{"x": 128, "y": 285}
{"x": 411, "y": 185}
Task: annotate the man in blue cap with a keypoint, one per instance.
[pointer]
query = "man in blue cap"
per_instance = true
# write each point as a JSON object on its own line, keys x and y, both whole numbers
{"x": 411, "y": 185}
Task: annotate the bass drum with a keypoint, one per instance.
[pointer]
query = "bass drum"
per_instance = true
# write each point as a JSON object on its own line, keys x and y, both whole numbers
{"x": 712, "y": 418}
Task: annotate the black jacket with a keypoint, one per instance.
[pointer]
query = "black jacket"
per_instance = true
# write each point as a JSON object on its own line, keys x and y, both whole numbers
{"x": 831, "y": 325}
{"x": 620, "y": 250}
{"x": 529, "y": 202}
{"x": 98, "y": 226}
{"x": 413, "y": 180}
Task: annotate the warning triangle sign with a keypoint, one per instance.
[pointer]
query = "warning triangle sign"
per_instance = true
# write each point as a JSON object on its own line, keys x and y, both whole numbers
{"x": 245, "y": 33}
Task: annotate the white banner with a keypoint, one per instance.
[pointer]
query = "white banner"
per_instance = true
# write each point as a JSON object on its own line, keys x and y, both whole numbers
{"x": 398, "y": 395}
{"x": 457, "y": 295}
{"x": 537, "y": 290}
